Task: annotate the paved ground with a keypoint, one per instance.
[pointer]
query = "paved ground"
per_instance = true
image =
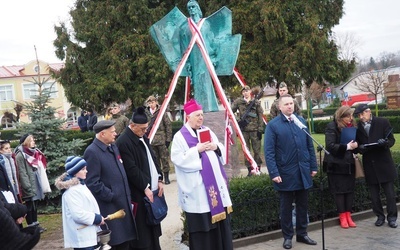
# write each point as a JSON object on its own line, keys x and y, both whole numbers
{"x": 365, "y": 236}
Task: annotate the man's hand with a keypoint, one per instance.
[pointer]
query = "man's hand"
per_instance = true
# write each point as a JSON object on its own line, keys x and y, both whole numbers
{"x": 382, "y": 142}
{"x": 277, "y": 179}
{"x": 205, "y": 146}
{"x": 149, "y": 194}
{"x": 313, "y": 173}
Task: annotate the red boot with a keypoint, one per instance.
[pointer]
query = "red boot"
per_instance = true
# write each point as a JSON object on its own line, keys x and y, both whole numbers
{"x": 343, "y": 220}
{"x": 350, "y": 221}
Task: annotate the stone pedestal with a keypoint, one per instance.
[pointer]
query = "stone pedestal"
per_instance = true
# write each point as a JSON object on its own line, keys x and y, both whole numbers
{"x": 216, "y": 121}
{"x": 392, "y": 92}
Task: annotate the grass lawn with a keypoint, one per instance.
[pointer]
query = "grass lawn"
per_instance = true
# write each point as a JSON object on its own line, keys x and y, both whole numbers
{"x": 320, "y": 138}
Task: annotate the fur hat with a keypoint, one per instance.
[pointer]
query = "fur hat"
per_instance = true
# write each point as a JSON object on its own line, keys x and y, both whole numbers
{"x": 74, "y": 164}
{"x": 140, "y": 117}
{"x": 191, "y": 106}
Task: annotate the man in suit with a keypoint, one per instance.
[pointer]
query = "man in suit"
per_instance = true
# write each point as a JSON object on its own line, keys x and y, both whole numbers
{"x": 291, "y": 162}
{"x": 107, "y": 180}
{"x": 144, "y": 177}
{"x": 379, "y": 168}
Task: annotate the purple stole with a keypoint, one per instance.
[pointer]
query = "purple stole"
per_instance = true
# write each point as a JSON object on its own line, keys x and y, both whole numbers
{"x": 214, "y": 199}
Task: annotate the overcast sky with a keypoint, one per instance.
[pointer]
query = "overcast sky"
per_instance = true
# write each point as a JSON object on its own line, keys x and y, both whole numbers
{"x": 25, "y": 23}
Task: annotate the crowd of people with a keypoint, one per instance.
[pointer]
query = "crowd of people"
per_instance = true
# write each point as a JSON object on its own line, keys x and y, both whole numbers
{"x": 121, "y": 167}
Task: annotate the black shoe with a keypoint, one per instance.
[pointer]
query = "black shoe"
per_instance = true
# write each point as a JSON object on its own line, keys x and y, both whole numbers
{"x": 287, "y": 244}
{"x": 42, "y": 229}
{"x": 392, "y": 224}
{"x": 305, "y": 239}
{"x": 379, "y": 222}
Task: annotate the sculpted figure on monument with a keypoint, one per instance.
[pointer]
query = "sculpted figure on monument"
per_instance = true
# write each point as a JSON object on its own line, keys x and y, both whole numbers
{"x": 215, "y": 47}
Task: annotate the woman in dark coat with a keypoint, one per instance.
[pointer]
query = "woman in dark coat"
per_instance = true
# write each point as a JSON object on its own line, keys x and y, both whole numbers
{"x": 11, "y": 236}
{"x": 339, "y": 164}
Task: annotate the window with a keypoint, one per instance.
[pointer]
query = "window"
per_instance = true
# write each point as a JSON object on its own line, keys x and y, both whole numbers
{"x": 6, "y": 93}
{"x": 31, "y": 89}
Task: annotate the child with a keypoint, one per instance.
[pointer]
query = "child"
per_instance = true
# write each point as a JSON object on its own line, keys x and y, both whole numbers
{"x": 79, "y": 207}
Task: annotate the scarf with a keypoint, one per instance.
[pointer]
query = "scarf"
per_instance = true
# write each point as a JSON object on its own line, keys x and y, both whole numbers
{"x": 12, "y": 174}
{"x": 36, "y": 159}
{"x": 207, "y": 173}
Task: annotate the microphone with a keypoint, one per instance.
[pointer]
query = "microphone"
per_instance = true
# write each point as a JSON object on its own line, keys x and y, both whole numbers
{"x": 297, "y": 122}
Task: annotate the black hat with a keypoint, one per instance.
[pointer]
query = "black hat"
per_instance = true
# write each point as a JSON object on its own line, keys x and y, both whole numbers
{"x": 101, "y": 125}
{"x": 74, "y": 164}
{"x": 360, "y": 108}
{"x": 23, "y": 138}
{"x": 140, "y": 117}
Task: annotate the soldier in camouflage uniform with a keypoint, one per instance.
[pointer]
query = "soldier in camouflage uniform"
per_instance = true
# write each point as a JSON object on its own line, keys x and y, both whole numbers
{"x": 162, "y": 137}
{"x": 252, "y": 133}
{"x": 282, "y": 90}
{"x": 121, "y": 121}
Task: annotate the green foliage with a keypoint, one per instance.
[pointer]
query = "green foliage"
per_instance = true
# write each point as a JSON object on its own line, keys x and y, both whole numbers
{"x": 110, "y": 56}
{"x": 46, "y": 129}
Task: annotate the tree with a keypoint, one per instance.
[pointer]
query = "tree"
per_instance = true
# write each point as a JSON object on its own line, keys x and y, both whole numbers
{"x": 373, "y": 82}
{"x": 110, "y": 56}
{"x": 46, "y": 129}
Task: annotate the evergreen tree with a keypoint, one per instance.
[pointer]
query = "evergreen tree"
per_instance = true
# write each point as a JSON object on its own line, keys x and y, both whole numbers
{"x": 47, "y": 131}
{"x": 110, "y": 56}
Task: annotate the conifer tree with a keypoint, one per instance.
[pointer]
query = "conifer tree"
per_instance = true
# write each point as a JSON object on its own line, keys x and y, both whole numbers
{"x": 46, "y": 128}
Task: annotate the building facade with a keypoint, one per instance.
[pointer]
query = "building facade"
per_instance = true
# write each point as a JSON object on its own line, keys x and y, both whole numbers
{"x": 17, "y": 86}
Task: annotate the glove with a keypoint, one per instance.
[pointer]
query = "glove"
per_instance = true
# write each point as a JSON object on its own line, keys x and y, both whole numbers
{"x": 382, "y": 143}
{"x": 167, "y": 143}
{"x": 259, "y": 135}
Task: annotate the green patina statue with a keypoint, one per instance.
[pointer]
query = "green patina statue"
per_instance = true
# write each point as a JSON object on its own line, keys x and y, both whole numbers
{"x": 173, "y": 35}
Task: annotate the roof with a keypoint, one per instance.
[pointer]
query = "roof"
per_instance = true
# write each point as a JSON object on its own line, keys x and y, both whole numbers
{"x": 393, "y": 69}
{"x": 18, "y": 70}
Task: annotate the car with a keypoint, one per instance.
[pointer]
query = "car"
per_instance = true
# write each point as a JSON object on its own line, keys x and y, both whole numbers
{"x": 321, "y": 106}
{"x": 373, "y": 102}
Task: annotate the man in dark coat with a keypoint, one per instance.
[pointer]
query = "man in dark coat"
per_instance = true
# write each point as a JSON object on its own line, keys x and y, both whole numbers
{"x": 379, "y": 168}
{"x": 291, "y": 162}
{"x": 144, "y": 176}
{"x": 107, "y": 180}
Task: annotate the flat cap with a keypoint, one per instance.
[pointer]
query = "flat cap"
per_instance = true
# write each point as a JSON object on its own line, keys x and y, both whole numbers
{"x": 101, "y": 125}
{"x": 360, "y": 108}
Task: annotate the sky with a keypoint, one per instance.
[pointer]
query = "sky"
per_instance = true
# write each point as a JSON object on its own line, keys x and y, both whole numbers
{"x": 26, "y": 23}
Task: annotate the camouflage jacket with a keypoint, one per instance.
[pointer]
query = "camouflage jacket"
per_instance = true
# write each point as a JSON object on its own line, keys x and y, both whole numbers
{"x": 164, "y": 131}
{"x": 121, "y": 122}
{"x": 254, "y": 117}
{"x": 274, "y": 111}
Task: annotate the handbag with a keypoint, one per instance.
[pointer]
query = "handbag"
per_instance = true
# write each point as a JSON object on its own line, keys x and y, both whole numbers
{"x": 156, "y": 210}
{"x": 359, "y": 168}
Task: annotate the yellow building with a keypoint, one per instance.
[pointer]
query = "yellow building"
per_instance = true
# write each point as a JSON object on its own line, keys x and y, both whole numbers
{"x": 16, "y": 86}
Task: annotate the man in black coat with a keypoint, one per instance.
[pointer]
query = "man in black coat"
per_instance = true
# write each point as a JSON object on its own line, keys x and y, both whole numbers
{"x": 107, "y": 180}
{"x": 375, "y": 138}
{"x": 144, "y": 176}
